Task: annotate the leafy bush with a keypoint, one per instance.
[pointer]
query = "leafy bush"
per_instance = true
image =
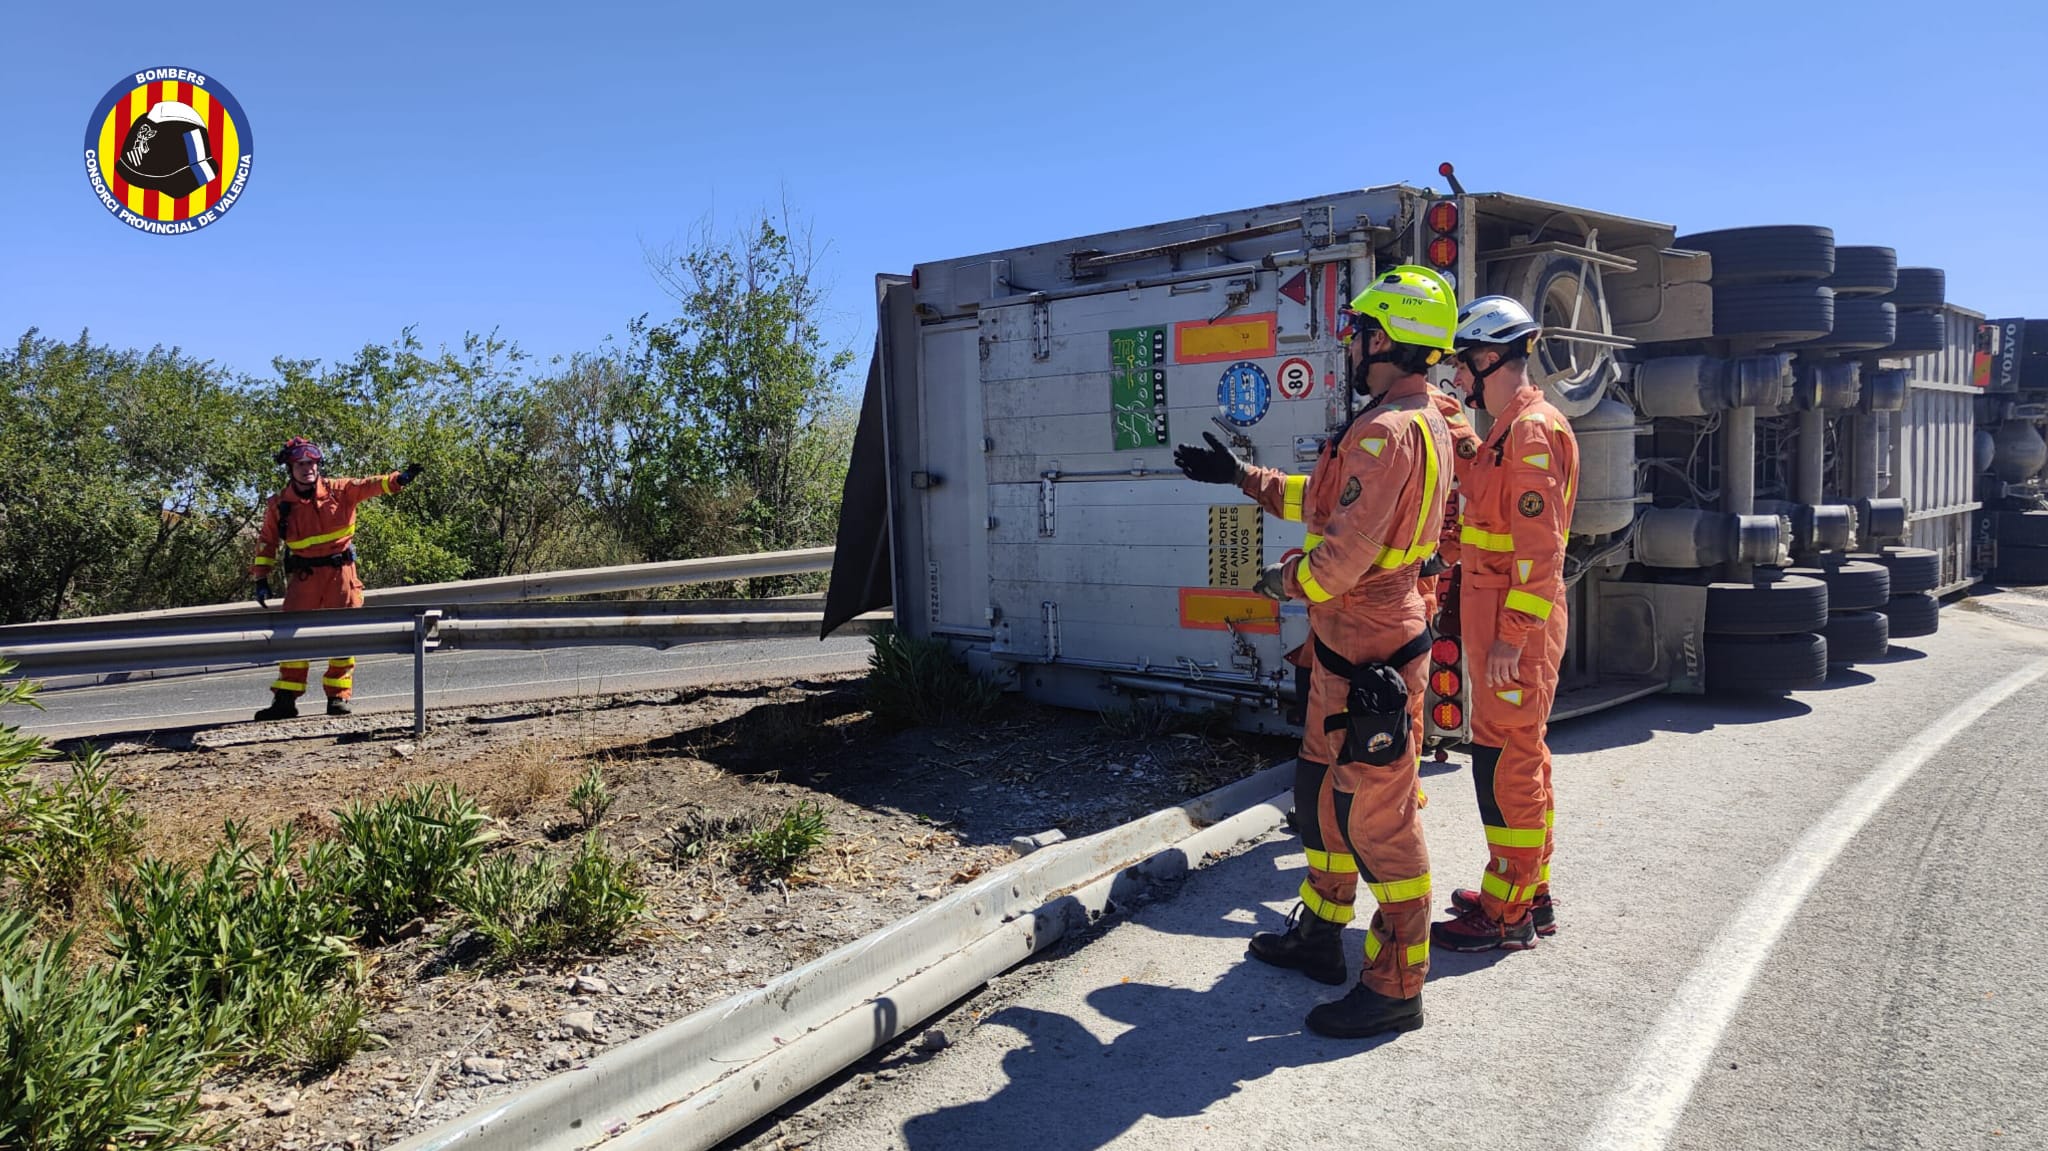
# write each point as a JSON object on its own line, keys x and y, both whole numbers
{"x": 84, "y": 1065}
{"x": 240, "y": 933}
{"x": 778, "y": 848}
{"x": 591, "y": 798}
{"x": 314, "y": 1029}
{"x": 1148, "y": 716}
{"x": 73, "y": 836}
{"x": 918, "y": 682}
{"x": 401, "y": 854}
{"x": 541, "y": 910}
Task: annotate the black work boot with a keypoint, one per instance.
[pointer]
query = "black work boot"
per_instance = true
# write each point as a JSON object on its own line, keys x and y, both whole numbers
{"x": 283, "y": 705}
{"x": 1311, "y": 945}
{"x": 338, "y": 706}
{"x": 1365, "y": 1012}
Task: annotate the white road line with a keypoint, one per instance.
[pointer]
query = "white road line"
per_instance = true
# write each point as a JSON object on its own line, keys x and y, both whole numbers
{"x": 1642, "y": 1116}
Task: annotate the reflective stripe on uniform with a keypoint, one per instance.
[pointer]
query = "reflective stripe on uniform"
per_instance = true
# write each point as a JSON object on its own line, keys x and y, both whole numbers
{"x": 295, "y": 665}
{"x": 1309, "y": 587}
{"x": 1291, "y": 495}
{"x": 1418, "y": 953}
{"x": 1401, "y": 890}
{"x": 331, "y": 681}
{"x": 1323, "y": 908}
{"x": 263, "y": 561}
{"x": 1550, "y": 818}
{"x": 1311, "y": 542}
{"x": 1502, "y": 890}
{"x": 342, "y": 661}
{"x": 325, "y": 538}
{"x": 289, "y": 685}
{"x": 1333, "y": 862}
{"x": 1486, "y": 540}
{"x": 1420, "y": 548}
{"x": 387, "y": 485}
{"x": 1521, "y": 601}
{"x": 1515, "y": 836}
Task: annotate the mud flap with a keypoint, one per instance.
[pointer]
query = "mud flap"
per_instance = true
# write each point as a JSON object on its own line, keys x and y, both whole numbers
{"x": 1652, "y": 631}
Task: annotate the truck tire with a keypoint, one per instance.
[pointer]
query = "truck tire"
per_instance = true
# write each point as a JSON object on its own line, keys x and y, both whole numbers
{"x": 2020, "y": 566}
{"x": 1913, "y": 615}
{"x": 2022, "y": 529}
{"x": 1781, "y": 313}
{"x": 1765, "y": 664}
{"x": 1777, "y": 604}
{"x": 1575, "y": 377}
{"x": 1857, "y": 636}
{"x": 1913, "y": 569}
{"x": 1918, "y": 333}
{"x": 1853, "y": 585}
{"x": 1862, "y": 271}
{"x": 1920, "y": 289}
{"x": 1775, "y": 254}
{"x": 1861, "y": 325}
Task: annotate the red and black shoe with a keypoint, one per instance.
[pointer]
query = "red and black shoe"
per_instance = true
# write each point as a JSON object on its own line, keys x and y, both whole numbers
{"x": 1475, "y": 930}
{"x": 1543, "y": 913}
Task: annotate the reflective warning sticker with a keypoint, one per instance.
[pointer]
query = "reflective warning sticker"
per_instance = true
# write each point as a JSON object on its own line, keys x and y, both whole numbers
{"x": 1225, "y": 609}
{"x": 1203, "y": 341}
{"x": 1237, "y": 540}
{"x": 1296, "y": 379}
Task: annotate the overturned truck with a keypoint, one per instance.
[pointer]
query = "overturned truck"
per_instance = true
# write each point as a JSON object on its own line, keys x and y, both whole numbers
{"x": 1776, "y": 439}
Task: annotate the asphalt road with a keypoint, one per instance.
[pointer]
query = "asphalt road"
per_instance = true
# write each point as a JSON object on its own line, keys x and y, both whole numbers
{"x": 1810, "y": 923}
{"x": 454, "y": 678}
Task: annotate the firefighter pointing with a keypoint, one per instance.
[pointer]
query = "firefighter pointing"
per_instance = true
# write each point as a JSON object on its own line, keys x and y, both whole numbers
{"x": 309, "y": 528}
{"x": 1373, "y": 510}
{"x": 1517, "y": 509}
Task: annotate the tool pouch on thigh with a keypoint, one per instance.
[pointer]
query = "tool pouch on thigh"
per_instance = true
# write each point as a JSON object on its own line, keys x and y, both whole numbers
{"x": 1375, "y": 717}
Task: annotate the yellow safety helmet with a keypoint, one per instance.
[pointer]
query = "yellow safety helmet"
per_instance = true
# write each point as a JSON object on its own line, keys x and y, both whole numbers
{"x": 1413, "y": 305}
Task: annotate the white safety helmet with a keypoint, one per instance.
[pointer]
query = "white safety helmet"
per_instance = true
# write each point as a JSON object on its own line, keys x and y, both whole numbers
{"x": 1495, "y": 320}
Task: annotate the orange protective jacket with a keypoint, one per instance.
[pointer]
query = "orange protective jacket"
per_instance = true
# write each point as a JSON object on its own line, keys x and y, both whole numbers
{"x": 1516, "y": 512}
{"x": 1465, "y": 444}
{"x": 317, "y": 526}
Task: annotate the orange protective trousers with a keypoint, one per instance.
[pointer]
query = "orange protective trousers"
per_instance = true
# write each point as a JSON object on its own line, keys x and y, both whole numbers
{"x": 1517, "y": 510}
{"x": 1374, "y": 510}
{"x": 310, "y": 590}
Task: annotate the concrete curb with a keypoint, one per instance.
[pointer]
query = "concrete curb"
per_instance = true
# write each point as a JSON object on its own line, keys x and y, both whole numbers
{"x": 702, "y": 1078}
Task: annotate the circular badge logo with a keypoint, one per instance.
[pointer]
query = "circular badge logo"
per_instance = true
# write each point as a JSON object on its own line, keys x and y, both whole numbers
{"x": 168, "y": 150}
{"x": 1244, "y": 393}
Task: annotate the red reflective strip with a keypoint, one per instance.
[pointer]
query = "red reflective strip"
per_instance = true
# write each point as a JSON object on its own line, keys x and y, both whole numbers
{"x": 122, "y": 122}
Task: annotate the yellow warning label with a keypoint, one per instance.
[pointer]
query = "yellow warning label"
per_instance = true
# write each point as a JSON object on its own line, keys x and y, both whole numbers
{"x": 1237, "y": 541}
{"x": 1247, "y": 338}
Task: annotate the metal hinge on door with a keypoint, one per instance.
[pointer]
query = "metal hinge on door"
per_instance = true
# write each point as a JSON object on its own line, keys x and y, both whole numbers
{"x": 1041, "y": 327}
{"x": 1051, "y": 612}
{"x": 1240, "y": 294}
{"x": 1046, "y": 496}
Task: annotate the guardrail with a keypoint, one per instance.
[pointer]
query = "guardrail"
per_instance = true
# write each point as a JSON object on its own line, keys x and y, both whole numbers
{"x": 432, "y": 616}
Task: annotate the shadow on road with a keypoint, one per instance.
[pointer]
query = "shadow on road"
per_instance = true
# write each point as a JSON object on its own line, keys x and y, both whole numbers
{"x": 1645, "y": 720}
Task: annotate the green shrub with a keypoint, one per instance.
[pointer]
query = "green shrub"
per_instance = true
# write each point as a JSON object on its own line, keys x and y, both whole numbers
{"x": 1148, "y": 716}
{"x": 84, "y": 1064}
{"x": 918, "y": 682}
{"x": 776, "y": 849}
{"x": 314, "y": 1029}
{"x": 401, "y": 854}
{"x": 542, "y": 910}
{"x": 591, "y": 798}
{"x": 75, "y": 835}
{"x": 239, "y": 933}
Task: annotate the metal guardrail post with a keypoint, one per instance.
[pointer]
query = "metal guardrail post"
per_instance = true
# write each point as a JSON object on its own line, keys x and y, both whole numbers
{"x": 426, "y": 635}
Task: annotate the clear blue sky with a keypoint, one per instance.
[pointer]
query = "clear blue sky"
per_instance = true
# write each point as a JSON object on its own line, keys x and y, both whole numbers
{"x": 465, "y": 167}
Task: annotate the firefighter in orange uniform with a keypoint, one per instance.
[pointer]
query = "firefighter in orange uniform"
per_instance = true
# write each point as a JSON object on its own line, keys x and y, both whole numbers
{"x": 309, "y": 529}
{"x": 1464, "y": 449}
{"x": 1517, "y": 510}
{"x": 1374, "y": 511}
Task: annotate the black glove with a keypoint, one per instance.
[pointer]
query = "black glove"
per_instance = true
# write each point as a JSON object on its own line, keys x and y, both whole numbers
{"x": 1273, "y": 582}
{"x": 263, "y": 593}
{"x": 410, "y": 473}
{"x": 1211, "y": 465}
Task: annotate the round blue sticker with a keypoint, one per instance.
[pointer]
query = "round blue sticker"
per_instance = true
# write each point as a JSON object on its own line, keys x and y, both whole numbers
{"x": 1244, "y": 393}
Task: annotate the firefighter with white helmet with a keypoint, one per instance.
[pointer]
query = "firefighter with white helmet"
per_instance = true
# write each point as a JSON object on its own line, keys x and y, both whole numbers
{"x": 1515, "y": 512}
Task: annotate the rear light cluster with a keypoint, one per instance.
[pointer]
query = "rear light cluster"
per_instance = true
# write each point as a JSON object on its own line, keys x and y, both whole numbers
{"x": 1442, "y": 219}
{"x": 1446, "y": 685}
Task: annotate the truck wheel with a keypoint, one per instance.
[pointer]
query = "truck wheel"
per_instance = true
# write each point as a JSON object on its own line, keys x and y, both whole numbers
{"x": 1784, "y": 313}
{"x": 1777, "y": 604}
{"x": 1861, "y": 325}
{"x": 1857, "y": 636}
{"x": 1574, "y": 376}
{"x": 1765, "y": 664}
{"x": 1913, "y": 615}
{"x": 1919, "y": 333}
{"x": 1861, "y": 271}
{"x": 2022, "y": 529}
{"x": 1766, "y": 255}
{"x": 1920, "y": 288}
{"x": 2020, "y": 566}
{"x": 1853, "y": 585}
{"x": 1913, "y": 569}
